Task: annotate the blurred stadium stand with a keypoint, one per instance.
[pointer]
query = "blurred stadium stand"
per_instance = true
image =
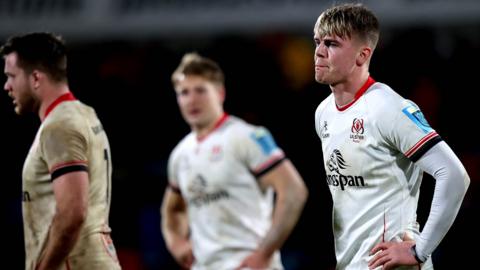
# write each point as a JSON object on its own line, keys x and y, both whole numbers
{"x": 100, "y": 19}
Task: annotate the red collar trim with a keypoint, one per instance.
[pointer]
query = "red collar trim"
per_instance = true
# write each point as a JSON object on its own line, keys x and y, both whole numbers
{"x": 359, "y": 93}
{"x": 217, "y": 125}
{"x": 65, "y": 97}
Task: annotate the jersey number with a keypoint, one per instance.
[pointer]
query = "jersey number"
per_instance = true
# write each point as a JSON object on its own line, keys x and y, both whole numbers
{"x": 106, "y": 157}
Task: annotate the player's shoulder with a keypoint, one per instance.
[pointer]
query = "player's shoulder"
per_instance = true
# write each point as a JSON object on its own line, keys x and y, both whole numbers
{"x": 323, "y": 105}
{"x": 382, "y": 99}
{"x": 183, "y": 145}
{"x": 237, "y": 128}
{"x": 325, "y": 102}
{"x": 70, "y": 115}
{"x": 243, "y": 135}
{"x": 185, "y": 141}
{"x": 382, "y": 92}
{"x": 235, "y": 124}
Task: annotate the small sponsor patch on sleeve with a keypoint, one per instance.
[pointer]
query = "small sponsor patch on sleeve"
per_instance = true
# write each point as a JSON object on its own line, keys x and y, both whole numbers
{"x": 265, "y": 140}
{"x": 414, "y": 113}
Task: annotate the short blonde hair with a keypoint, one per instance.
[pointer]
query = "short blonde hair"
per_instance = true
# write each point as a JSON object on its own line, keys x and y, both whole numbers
{"x": 194, "y": 64}
{"x": 347, "y": 20}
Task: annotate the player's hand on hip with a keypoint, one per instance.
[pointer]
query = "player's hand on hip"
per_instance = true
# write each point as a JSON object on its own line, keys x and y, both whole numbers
{"x": 255, "y": 261}
{"x": 392, "y": 254}
{"x": 183, "y": 254}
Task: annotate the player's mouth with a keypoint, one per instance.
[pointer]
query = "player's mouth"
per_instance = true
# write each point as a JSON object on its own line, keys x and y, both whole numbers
{"x": 194, "y": 112}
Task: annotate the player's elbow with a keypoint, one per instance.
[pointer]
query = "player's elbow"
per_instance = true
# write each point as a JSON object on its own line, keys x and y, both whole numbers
{"x": 75, "y": 218}
{"x": 463, "y": 180}
{"x": 299, "y": 192}
{"x": 303, "y": 192}
{"x": 458, "y": 184}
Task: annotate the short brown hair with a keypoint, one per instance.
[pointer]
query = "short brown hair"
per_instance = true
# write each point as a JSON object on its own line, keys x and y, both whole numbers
{"x": 194, "y": 64}
{"x": 347, "y": 20}
{"x": 43, "y": 51}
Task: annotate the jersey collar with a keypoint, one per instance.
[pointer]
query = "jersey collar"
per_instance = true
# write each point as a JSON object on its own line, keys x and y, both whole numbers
{"x": 359, "y": 93}
{"x": 217, "y": 125}
{"x": 65, "y": 97}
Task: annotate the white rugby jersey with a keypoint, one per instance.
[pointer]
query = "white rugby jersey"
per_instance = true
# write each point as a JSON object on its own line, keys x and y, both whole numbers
{"x": 369, "y": 149}
{"x": 217, "y": 175}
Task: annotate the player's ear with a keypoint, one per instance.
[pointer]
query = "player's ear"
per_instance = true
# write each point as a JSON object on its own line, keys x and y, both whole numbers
{"x": 221, "y": 93}
{"x": 364, "y": 55}
{"x": 35, "y": 78}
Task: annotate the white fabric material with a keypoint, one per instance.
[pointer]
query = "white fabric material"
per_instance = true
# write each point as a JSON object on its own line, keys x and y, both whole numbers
{"x": 228, "y": 211}
{"x": 367, "y": 150}
{"x": 451, "y": 185}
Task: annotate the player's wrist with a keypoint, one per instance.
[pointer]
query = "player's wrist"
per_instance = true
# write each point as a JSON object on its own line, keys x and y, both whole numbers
{"x": 413, "y": 251}
{"x": 265, "y": 252}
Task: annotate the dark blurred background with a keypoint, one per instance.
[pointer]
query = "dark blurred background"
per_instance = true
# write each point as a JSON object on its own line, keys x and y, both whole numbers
{"x": 121, "y": 56}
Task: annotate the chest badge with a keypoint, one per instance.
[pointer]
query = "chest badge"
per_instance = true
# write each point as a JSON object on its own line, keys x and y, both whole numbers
{"x": 358, "y": 130}
{"x": 216, "y": 153}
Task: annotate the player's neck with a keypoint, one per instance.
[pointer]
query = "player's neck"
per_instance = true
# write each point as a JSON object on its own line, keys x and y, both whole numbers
{"x": 203, "y": 131}
{"x": 345, "y": 92}
{"x": 48, "y": 96}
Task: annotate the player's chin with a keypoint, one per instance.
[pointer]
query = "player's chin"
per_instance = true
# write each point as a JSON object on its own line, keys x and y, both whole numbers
{"x": 193, "y": 121}
{"x": 320, "y": 80}
{"x": 320, "y": 77}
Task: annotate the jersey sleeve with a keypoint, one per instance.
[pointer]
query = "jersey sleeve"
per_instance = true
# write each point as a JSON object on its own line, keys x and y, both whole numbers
{"x": 259, "y": 150}
{"x": 64, "y": 146}
{"x": 172, "y": 171}
{"x": 409, "y": 131}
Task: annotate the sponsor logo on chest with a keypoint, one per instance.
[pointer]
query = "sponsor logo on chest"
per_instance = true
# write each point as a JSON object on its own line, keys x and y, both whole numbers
{"x": 335, "y": 165}
{"x": 199, "y": 194}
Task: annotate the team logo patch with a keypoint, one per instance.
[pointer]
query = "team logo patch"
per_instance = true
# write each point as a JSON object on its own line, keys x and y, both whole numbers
{"x": 357, "y": 130}
{"x": 265, "y": 140}
{"x": 414, "y": 113}
{"x": 216, "y": 153}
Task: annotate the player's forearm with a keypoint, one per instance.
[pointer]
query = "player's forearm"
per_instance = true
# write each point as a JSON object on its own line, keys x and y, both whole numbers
{"x": 64, "y": 232}
{"x": 451, "y": 184}
{"x": 288, "y": 207}
{"x": 174, "y": 229}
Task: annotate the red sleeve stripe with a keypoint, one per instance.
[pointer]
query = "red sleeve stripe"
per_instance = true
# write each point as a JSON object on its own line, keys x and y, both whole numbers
{"x": 268, "y": 165}
{"x": 66, "y": 164}
{"x": 419, "y": 144}
{"x": 420, "y": 148}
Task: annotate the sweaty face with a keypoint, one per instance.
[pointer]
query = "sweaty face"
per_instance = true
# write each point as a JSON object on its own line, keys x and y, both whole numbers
{"x": 18, "y": 86}
{"x": 335, "y": 58}
{"x": 200, "y": 101}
